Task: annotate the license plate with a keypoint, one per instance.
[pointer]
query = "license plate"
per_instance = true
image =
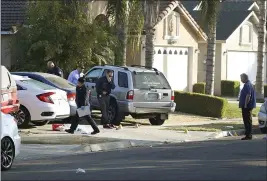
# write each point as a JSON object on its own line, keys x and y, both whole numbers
{"x": 153, "y": 96}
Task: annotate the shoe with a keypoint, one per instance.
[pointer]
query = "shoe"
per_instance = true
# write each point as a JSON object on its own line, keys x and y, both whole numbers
{"x": 95, "y": 132}
{"x": 107, "y": 126}
{"x": 112, "y": 126}
{"x": 69, "y": 131}
{"x": 247, "y": 138}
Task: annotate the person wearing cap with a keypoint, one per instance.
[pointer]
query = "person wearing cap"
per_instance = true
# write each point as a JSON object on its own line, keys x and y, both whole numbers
{"x": 55, "y": 70}
{"x": 75, "y": 75}
{"x": 81, "y": 101}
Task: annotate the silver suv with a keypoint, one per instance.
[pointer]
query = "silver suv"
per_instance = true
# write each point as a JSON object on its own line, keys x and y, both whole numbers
{"x": 140, "y": 92}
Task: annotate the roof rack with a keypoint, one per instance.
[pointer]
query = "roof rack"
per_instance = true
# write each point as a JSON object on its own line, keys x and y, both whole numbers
{"x": 156, "y": 70}
{"x": 125, "y": 68}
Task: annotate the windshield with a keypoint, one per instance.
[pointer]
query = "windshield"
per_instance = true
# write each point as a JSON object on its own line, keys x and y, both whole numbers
{"x": 38, "y": 84}
{"x": 150, "y": 80}
{"x": 60, "y": 82}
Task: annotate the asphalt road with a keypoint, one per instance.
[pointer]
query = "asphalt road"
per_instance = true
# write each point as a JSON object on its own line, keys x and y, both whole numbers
{"x": 230, "y": 159}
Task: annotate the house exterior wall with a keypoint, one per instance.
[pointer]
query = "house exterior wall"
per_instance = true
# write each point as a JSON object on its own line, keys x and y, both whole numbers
{"x": 97, "y": 7}
{"x": 231, "y": 44}
{"x": 5, "y": 54}
{"x": 187, "y": 38}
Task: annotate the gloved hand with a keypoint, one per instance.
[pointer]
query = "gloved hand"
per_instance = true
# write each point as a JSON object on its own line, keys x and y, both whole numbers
{"x": 82, "y": 108}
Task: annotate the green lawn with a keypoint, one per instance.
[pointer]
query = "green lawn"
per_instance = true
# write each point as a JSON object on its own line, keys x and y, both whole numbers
{"x": 233, "y": 111}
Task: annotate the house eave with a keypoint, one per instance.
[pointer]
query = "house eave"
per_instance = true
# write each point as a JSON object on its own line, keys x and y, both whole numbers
{"x": 254, "y": 5}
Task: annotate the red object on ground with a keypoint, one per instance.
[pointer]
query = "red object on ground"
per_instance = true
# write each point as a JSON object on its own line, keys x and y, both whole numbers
{"x": 55, "y": 127}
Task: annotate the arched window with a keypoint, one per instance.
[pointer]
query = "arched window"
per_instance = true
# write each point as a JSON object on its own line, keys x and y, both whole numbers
{"x": 170, "y": 52}
{"x": 165, "y": 52}
{"x": 159, "y": 52}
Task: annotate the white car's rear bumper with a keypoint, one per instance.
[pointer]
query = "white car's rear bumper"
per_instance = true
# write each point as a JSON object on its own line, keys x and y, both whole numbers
{"x": 262, "y": 118}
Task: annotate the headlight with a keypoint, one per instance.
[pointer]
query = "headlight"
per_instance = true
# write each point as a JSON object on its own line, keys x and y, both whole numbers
{"x": 263, "y": 109}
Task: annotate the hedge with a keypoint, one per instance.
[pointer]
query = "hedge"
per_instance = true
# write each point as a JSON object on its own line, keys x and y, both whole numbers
{"x": 230, "y": 88}
{"x": 200, "y": 104}
{"x": 199, "y": 87}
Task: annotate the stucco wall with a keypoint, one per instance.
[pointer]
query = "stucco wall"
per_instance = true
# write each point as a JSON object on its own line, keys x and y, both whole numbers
{"x": 96, "y": 8}
{"x": 187, "y": 38}
{"x": 231, "y": 44}
{"x": 5, "y": 54}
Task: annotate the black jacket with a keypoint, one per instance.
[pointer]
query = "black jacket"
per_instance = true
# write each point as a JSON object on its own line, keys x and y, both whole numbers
{"x": 102, "y": 85}
{"x": 81, "y": 96}
{"x": 56, "y": 71}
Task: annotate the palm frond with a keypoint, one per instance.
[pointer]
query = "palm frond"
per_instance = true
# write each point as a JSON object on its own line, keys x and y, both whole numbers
{"x": 209, "y": 11}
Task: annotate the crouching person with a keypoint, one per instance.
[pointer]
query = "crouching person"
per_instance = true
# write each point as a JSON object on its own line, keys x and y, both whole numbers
{"x": 81, "y": 101}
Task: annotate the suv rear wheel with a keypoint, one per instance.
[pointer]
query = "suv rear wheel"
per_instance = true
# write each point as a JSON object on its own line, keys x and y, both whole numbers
{"x": 264, "y": 130}
{"x": 156, "y": 121}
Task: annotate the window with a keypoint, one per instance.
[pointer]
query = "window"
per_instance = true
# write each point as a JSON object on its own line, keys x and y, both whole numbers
{"x": 93, "y": 75}
{"x": 148, "y": 80}
{"x": 105, "y": 71}
{"x": 246, "y": 34}
{"x": 36, "y": 83}
{"x": 123, "y": 79}
{"x": 60, "y": 82}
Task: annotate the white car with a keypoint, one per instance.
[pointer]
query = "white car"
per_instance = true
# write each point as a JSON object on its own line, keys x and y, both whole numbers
{"x": 10, "y": 140}
{"x": 262, "y": 117}
{"x": 39, "y": 102}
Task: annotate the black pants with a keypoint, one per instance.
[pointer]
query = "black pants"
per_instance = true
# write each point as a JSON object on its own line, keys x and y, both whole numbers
{"x": 75, "y": 122}
{"x": 247, "y": 119}
{"x": 104, "y": 105}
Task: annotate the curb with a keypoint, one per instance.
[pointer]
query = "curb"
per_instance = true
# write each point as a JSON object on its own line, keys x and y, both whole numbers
{"x": 64, "y": 139}
{"x": 115, "y": 146}
{"x": 239, "y": 132}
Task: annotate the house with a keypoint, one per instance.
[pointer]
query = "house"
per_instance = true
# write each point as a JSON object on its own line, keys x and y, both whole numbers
{"x": 177, "y": 38}
{"x": 13, "y": 15}
{"x": 236, "y": 44}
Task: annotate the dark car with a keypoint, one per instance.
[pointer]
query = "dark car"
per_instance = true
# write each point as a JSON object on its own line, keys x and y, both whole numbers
{"x": 56, "y": 82}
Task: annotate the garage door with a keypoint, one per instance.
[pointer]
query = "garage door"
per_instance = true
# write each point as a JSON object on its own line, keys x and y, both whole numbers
{"x": 173, "y": 62}
{"x": 241, "y": 62}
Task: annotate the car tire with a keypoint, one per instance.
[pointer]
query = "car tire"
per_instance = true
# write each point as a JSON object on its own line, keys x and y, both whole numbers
{"x": 264, "y": 130}
{"x": 40, "y": 123}
{"x": 23, "y": 117}
{"x": 156, "y": 121}
{"x": 7, "y": 153}
{"x": 112, "y": 111}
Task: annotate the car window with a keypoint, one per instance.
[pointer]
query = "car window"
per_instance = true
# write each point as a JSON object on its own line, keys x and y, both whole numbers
{"x": 105, "y": 71}
{"x": 60, "y": 82}
{"x": 147, "y": 80}
{"x": 122, "y": 79}
{"x": 19, "y": 87}
{"x": 93, "y": 75}
{"x": 38, "y": 84}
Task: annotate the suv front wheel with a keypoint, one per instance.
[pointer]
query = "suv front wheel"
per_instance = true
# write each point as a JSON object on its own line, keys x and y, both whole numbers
{"x": 156, "y": 121}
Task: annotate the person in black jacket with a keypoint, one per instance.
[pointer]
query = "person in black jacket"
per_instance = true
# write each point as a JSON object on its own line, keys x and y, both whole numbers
{"x": 103, "y": 89}
{"x": 81, "y": 101}
{"x": 55, "y": 70}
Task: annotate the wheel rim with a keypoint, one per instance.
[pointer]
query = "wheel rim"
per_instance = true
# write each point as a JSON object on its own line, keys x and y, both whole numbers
{"x": 111, "y": 112}
{"x": 7, "y": 153}
{"x": 20, "y": 116}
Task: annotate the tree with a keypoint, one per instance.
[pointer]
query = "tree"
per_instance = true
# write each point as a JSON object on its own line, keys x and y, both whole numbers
{"x": 260, "y": 53}
{"x": 127, "y": 18}
{"x": 61, "y": 33}
{"x": 209, "y": 13}
{"x": 151, "y": 12}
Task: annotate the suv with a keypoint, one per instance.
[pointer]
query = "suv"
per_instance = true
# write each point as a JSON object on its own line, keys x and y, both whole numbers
{"x": 140, "y": 92}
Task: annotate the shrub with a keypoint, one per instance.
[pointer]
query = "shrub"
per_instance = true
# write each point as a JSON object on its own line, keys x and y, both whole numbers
{"x": 199, "y": 87}
{"x": 230, "y": 88}
{"x": 265, "y": 90}
{"x": 200, "y": 104}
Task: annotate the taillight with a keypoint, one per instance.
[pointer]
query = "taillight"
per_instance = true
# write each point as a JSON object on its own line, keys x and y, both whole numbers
{"x": 130, "y": 95}
{"x": 46, "y": 97}
{"x": 172, "y": 97}
{"x": 71, "y": 96}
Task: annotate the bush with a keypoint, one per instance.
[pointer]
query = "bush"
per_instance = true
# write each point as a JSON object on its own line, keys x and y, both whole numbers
{"x": 230, "y": 88}
{"x": 199, "y": 87}
{"x": 265, "y": 90}
{"x": 200, "y": 104}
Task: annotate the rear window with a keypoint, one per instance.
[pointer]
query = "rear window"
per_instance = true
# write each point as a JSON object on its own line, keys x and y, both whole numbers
{"x": 147, "y": 80}
{"x": 38, "y": 84}
{"x": 60, "y": 82}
